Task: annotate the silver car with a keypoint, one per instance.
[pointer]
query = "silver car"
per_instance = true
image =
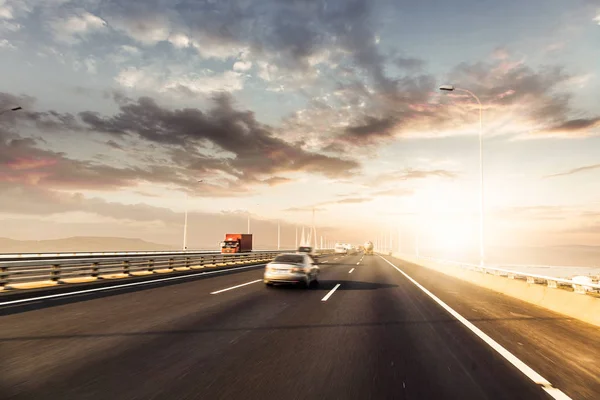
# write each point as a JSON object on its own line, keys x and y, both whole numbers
{"x": 296, "y": 268}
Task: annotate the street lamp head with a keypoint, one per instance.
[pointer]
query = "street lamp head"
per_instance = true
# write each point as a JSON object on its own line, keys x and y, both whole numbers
{"x": 447, "y": 88}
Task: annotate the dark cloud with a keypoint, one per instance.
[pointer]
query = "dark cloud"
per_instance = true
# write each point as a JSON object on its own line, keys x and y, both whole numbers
{"x": 575, "y": 125}
{"x": 371, "y": 128}
{"x": 195, "y": 143}
{"x": 255, "y": 150}
{"x": 114, "y": 145}
{"x": 575, "y": 171}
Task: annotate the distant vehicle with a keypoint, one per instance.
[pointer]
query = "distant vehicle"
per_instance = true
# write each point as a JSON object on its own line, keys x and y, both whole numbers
{"x": 340, "y": 248}
{"x": 236, "y": 243}
{"x": 294, "y": 268}
{"x": 368, "y": 248}
{"x": 310, "y": 251}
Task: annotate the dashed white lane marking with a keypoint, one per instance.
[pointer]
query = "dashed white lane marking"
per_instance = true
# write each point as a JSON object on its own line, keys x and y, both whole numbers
{"x": 235, "y": 287}
{"x": 52, "y": 296}
{"x": 351, "y": 271}
{"x": 328, "y": 295}
{"x": 325, "y": 261}
{"x": 511, "y": 358}
{"x": 358, "y": 263}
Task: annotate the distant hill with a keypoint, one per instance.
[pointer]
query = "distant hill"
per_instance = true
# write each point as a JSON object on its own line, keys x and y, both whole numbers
{"x": 79, "y": 243}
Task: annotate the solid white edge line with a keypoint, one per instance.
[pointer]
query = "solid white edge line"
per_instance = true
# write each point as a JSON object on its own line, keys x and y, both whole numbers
{"x": 351, "y": 271}
{"x": 235, "y": 287}
{"x": 511, "y": 358}
{"x": 51, "y": 296}
{"x": 328, "y": 295}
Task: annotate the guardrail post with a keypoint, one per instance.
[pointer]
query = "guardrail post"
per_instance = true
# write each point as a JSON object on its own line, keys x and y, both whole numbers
{"x": 579, "y": 289}
{"x": 530, "y": 279}
{"x": 187, "y": 262}
{"x": 151, "y": 265}
{"x": 3, "y": 277}
{"x": 126, "y": 267}
{"x": 552, "y": 284}
{"x": 95, "y": 269}
{"x": 171, "y": 261}
{"x": 511, "y": 276}
{"x": 55, "y": 272}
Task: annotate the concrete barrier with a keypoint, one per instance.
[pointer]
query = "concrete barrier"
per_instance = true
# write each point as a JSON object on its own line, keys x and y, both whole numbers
{"x": 580, "y": 306}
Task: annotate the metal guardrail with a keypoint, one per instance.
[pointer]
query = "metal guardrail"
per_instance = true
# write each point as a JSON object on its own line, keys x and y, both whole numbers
{"x": 71, "y": 254}
{"x": 552, "y": 282}
{"x": 17, "y": 274}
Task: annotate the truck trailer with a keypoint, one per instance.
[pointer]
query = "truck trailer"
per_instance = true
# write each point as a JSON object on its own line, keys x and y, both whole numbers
{"x": 236, "y": 243}
{"x": 368, "y": 248}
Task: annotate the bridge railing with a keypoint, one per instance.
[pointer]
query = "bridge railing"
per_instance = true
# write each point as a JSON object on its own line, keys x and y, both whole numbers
{"x": 553, "y": 282}
{"x": 23, "y": 274}
{"x": 67, "y": 268}
{"x": 82, "y": 254}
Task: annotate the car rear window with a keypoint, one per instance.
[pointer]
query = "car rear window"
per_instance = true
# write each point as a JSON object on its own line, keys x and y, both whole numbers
{"x": 289, "y": 258}
{"x": 305, "y": 249}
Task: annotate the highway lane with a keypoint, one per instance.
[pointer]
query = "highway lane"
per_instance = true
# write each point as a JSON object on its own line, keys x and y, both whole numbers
{"x": 376, "y": 336}
{"x": 564, "y": 350}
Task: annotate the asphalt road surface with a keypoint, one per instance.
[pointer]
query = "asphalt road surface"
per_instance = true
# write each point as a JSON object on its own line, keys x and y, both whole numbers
{"x": 378, "y": 335}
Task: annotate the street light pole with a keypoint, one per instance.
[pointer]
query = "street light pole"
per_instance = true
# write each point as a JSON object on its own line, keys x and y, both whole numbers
{"x": 185, "y": 223}
{"x": 278, "y": 235}
{"x": 450, "y": 88}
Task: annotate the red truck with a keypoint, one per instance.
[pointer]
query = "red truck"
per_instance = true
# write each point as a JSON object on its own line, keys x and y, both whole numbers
{"x": 236, "y": 243}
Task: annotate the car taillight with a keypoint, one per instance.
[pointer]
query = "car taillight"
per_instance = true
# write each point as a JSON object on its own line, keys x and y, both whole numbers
{"x": 298, "y": 270}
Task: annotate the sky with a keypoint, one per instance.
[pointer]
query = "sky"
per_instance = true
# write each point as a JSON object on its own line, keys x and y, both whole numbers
{"x": 280, "y": 107}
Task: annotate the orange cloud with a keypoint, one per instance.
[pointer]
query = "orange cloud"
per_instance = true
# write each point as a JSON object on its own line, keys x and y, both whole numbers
{"x": 20, "y": 164}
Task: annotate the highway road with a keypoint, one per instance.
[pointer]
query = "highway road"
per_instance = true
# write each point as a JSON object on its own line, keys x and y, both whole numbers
{"x": 378, "y": 335}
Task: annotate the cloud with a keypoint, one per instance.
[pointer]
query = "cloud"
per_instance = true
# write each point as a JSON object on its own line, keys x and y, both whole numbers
{"x": 190, "y": 84}
{"x": 251, "y": 148}
{"x": 579, "y": 126}
{"x": 354, "y": 200}
{"x": 322, "y": 206}
{"x": 223, "y": 142}
{"x": 409, "y": 63}
{"x": 276, "y": 181}
{"x": 5, "y": 44}
{"x": 393, "y": 192}
{"x": 242, "y": 65}
{"x": 501, "y": 53}
{"x": 6, "y": 11}
{"x": 574, "y": 171}
{"x": 73, "y": 28}
{"x": 394, "y": 176}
